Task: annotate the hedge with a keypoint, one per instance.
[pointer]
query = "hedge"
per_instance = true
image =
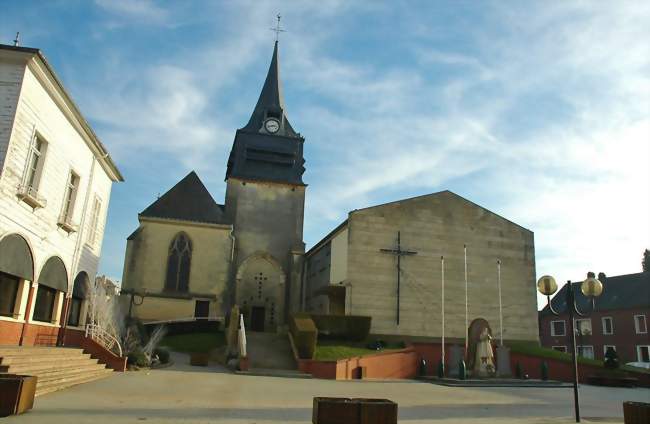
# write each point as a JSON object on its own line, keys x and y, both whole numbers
{"x": 342, "y": 327}
{"x": 304, "y": 334}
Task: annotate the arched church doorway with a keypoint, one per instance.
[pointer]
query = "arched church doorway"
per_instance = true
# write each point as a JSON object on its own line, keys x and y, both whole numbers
{"x": 261, "y": 292}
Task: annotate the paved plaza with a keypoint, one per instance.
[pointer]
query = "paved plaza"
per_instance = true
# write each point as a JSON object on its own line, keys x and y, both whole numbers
{"x": 186, "y": 394}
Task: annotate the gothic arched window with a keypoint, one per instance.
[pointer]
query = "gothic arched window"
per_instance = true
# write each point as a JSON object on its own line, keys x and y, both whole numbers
{"x": 178, "y": 264}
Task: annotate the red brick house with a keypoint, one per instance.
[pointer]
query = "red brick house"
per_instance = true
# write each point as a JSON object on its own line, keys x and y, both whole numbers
{"x": 620, "y": 320}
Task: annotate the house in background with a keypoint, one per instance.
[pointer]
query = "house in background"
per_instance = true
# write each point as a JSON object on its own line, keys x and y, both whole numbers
{"x": 619, "y": 321}
{"x": 55, "y": 185}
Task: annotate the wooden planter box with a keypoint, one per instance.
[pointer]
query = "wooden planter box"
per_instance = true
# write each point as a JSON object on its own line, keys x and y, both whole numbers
{"x": 353, "y": 411}
{"x": 377, "y": 411}
{"x": 244, "y": 364}
{"x": 16, "y": 393}
{"x": 335, "y": 411}
{"x": 199, "y": 359}
{"x": 636, "y": 412}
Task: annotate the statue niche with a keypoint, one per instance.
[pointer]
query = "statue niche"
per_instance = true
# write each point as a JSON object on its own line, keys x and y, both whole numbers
{"x": 480, "y": 353}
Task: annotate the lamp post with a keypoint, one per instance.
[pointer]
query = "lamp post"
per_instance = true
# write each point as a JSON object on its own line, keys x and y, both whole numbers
{"x": 592, "y": 288}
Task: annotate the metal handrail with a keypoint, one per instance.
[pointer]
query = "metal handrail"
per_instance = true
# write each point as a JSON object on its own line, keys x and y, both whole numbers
{"x": 186, "y": 319}
{"x": 104, "y": 338}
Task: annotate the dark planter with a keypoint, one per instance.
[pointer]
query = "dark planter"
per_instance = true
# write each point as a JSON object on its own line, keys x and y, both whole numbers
{"x": 16, "y": 393}
{"x": 377, "y": 411}
{"x": 335, "y": 411}
{"x": 244, "y": 364}
{"x": 636, "y": 412}
{"x": 199, "y": 359}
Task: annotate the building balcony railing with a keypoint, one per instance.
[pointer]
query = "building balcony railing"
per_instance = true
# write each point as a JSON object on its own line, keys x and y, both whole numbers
{"x": 30, "y": 195}
{"x": 65, "y": 223}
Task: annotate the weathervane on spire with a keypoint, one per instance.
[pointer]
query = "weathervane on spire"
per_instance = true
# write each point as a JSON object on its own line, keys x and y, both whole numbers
{"x": 277, "y": 29}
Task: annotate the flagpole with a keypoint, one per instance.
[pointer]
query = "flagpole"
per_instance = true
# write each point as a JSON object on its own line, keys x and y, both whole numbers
{"x": 466, "y": 311}
{"x": 442, "y": 264}
{"x": 500, "y": 306}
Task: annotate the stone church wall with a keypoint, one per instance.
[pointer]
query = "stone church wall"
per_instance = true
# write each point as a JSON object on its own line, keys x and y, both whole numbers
{"x": 436, "y": 225}
{"x": 146, "y": 267}
{"x": 268, "y": 218}
{"x": 318, "y": 271}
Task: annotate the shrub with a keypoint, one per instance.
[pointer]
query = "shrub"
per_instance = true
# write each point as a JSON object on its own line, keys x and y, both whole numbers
{"x": 343, "y": 327}
{"x": 519, "y": 372}
{"x": 611, "y": 359}
{"x": 304, "y": 335}
{"x": 163, "y": 354}
{"x": 376, "y": 345}
{"x": 137, "y": 358}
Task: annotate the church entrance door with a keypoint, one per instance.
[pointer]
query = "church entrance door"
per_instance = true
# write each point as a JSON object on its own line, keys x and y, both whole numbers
{"x": 257, "y": 318}
{"x": 202, "y": 309}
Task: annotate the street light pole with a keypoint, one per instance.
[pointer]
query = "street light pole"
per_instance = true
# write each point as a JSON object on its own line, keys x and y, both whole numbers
{"x": 570, "y": 303}
{"x": 591, "y": 288}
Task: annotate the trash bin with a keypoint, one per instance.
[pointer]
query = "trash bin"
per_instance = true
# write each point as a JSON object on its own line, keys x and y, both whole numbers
{"x": 16, "y": 393}
{"x": 422, "y": 369}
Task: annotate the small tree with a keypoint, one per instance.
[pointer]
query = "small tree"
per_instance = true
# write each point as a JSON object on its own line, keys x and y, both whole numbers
{"x": 611, "y": 359}
{"x": 645, "y": 264}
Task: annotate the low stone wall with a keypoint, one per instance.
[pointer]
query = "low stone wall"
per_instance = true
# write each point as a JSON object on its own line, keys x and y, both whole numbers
{"x": 103, "y": 355}
{"x": 531, "y": 365}
{"x": 395, "y": 364}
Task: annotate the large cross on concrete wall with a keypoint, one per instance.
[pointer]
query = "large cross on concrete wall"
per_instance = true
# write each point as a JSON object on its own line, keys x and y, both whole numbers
{"x": 399, "y": 253}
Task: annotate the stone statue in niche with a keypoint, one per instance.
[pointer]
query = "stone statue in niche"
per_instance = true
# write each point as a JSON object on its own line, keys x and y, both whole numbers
{"x": 484, "y": 361}
{"x": 480, "y": 356}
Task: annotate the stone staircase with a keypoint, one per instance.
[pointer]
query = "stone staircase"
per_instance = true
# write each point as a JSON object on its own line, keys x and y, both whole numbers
{"x": 55, "y": 367}
{"x": 270, "y": 355}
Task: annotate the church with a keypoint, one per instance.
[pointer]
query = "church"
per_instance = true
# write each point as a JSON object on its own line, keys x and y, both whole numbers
{"x": 191, "y": 257}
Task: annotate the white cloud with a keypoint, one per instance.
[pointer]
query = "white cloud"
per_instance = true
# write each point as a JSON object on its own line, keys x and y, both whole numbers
{"x": 141, "y": 10}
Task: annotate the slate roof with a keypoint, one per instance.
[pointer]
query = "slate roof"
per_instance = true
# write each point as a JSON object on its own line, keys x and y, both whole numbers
{"x": 619, "y": 292}
{"x": 271, "y": 98}
{"x": 188, "y": 200}
{"x": 261, "y": 156}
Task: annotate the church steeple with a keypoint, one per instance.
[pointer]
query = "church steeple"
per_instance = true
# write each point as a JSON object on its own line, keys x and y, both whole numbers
{"x": 270, "y": 104}
{"x": 267, "y": 148}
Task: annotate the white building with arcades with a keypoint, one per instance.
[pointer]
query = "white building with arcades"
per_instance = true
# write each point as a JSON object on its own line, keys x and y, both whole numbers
{"x": 55, "y": 186}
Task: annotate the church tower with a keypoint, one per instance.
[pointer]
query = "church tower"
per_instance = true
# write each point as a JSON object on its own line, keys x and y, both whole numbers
{"x": 265, "y": 199}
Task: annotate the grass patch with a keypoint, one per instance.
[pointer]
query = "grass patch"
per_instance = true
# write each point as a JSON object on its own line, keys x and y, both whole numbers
{"x": 194, "y": 342}
{"x": 533, "y": 349}
{"x": 333, "y": 350}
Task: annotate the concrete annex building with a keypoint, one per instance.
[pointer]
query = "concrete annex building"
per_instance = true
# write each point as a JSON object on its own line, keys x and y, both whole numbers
{"x": 192, "y": 257}
{"x": 55, "y": 185}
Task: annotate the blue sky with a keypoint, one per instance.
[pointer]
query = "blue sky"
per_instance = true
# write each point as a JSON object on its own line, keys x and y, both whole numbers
{"x": 538, "y": 111}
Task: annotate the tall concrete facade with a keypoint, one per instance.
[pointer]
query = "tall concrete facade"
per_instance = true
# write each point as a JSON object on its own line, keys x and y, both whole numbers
{"x": 348, "y": 272}
{"x": 194, "y": 257}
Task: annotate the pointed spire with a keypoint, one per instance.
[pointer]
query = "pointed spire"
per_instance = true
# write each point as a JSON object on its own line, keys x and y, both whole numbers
{"x": 271, "y": 100}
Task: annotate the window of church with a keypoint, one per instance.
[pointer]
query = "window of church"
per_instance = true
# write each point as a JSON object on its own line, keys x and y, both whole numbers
{"x": 178, "y": 264}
